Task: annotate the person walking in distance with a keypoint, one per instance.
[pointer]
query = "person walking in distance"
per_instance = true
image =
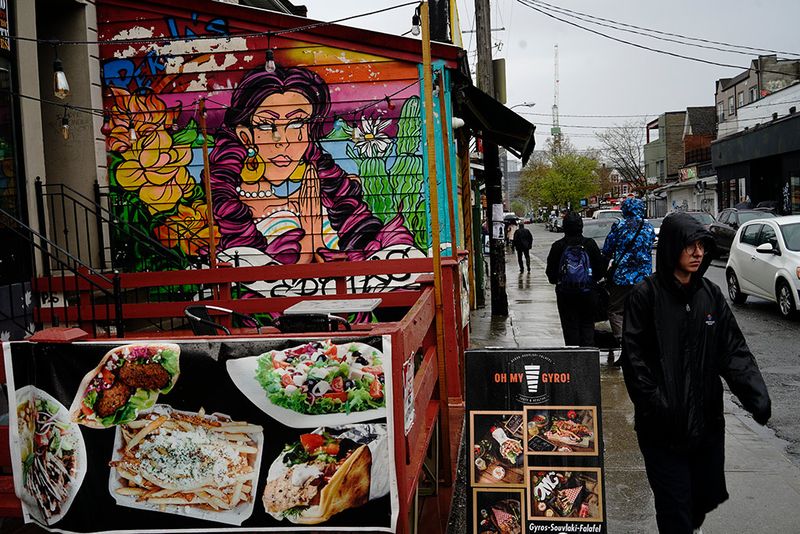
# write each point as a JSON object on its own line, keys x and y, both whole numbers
{"x": 523, "y": 241}
{"x": 679, "y": 338}
{"x": 629, "y": 247}
{"x": 574, "y": 265}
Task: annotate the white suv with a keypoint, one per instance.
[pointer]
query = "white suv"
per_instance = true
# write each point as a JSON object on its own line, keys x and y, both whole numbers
{"x": 765, "y": 262}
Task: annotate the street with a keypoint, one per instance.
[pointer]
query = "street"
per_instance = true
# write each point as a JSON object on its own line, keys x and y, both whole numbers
{"x": 773, "y": 341}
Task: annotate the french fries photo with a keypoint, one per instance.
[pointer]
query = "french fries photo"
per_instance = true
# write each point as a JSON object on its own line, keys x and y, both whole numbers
{"x": 187, "y": 463}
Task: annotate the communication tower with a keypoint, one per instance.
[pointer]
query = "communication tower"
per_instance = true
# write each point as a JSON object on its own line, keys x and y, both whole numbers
{"x": 555, "y": 130}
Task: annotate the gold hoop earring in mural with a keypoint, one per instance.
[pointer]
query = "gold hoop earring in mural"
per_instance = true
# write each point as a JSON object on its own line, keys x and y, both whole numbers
{"x": 254, "y": 166}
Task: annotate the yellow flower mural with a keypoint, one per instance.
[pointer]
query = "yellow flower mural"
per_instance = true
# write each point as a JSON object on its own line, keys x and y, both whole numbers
{"x": 188, "y": 228}
{"x": 139, "y": 126}
{"x": 142, "y": 113}
{"x": 156, "y": 170}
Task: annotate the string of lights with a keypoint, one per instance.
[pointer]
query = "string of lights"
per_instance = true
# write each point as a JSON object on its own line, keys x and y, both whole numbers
{"x": 164, "y": 39}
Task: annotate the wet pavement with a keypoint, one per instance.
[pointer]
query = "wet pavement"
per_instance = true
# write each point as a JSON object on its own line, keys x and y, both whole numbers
{"x": 764, "y": 484}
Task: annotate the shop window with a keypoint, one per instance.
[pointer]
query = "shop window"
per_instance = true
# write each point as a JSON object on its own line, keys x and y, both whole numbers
{"x": 9, "y": 188}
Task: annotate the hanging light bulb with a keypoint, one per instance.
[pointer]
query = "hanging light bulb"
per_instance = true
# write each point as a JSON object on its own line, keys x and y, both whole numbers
{"x": 60, "y": 83}
{"x": 105, "y": 129}
{"x": 65, "y": 125}
{"x": 415, "y": 24}
{"x": 276, "y": 136}
{"x": 389, "y": 103}
{"x": 132, "y": 133}
{"x": 269, "y": 66}
{"x": 356, "y": 134}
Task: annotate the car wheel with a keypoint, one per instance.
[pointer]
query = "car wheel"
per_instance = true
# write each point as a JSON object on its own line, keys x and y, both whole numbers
{"x": 734, "y": 291}
{"x": 785, "y": 300}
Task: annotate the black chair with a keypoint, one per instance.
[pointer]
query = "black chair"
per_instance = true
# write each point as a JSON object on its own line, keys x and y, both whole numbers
{"x": 203, "y": 324}
{"x": 310, "y": 322}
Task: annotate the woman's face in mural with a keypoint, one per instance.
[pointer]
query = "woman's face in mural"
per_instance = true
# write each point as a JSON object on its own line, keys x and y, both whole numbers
{"x": 280, "y": 133}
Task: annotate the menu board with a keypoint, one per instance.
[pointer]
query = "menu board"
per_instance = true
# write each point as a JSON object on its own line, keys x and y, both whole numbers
{"x": 535, "y": 435}
{"x": 255, "y": 435}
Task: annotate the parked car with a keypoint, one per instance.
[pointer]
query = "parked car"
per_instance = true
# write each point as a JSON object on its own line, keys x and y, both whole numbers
{"x": 728, "y": 222}
{"x": 554, "y": 223}
{"x": 607, "y": 214}
{"x": 656, "y": 224}
{"x": 597, "y": 229}
{"x": 703, "y": 217}
{"x": 765, "y": 261}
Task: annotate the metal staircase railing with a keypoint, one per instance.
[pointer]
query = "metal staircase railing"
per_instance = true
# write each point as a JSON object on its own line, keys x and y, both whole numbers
{"x": 93, "y": 234}
{"x": 73, "y": 293}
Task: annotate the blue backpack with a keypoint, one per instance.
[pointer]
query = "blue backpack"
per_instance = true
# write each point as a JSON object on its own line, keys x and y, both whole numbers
{"x": 574, "y": 271}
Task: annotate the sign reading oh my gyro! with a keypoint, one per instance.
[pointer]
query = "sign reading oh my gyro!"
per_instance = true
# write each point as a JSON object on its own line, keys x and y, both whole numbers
{"x": 535, "y": 462}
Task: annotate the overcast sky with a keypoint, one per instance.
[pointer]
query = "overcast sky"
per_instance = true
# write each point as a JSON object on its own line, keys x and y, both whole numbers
{"x": 599, "y": 76}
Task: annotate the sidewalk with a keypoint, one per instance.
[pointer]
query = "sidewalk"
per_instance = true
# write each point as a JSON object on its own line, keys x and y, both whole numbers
{"x": 764, "y": 485}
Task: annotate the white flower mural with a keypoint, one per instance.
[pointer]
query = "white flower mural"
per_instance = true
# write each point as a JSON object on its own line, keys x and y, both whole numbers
{"x": 371, "y": 141}
{"x": 5, "y": 336}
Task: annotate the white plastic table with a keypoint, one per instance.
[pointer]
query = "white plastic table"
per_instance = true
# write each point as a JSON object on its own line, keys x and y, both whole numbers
{"x": 335, "y": 307}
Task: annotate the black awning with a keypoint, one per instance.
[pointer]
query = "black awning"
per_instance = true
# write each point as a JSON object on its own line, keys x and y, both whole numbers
{"x": 774, "y": 138}
{"x": 496, "y": 122}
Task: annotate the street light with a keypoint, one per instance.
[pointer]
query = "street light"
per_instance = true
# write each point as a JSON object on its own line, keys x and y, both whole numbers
{"x": 524, "y": 104}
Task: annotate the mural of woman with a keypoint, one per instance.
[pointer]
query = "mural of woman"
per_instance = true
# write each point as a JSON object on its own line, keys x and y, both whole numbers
{"x": 277, "y": 194}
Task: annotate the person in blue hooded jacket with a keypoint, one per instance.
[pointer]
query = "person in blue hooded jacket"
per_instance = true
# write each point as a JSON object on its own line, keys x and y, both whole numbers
{"x": 628, "y": 246}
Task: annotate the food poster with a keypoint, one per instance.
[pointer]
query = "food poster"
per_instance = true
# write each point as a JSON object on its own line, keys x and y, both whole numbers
{"x": 535, "y": 438}
{"x": 243, "y": 435}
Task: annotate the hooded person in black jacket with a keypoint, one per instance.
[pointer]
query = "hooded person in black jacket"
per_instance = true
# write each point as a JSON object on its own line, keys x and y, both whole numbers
{"x": 576, "y": 306}
{"x": 679, "y": 338}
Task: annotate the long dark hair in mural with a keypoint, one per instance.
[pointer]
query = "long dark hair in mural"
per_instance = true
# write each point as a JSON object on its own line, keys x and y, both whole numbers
{"x": 276, "y": 190}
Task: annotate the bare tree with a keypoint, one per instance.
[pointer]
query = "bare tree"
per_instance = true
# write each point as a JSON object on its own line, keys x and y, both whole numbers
{"x": 623, "y": 147}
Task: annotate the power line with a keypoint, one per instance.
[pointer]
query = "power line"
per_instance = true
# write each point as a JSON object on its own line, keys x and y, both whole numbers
{"x": 699, "y": 39}
{"x": 533, "y": 6}
{"x": 645, "y": 115}
{"x": 593, "y": 20}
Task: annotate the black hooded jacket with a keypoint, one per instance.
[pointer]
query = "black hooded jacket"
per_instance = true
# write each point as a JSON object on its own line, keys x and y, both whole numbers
{"x": 573, "y": 235}
{"x": 677, "y": 342}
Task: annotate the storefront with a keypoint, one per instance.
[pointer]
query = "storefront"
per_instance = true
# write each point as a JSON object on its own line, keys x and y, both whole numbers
{"x": 760, "y": 166}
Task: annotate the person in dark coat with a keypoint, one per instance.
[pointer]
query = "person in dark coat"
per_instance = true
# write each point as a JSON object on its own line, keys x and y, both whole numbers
{"x": 522, "y": 242}
{"x": 575, "y": 309}
{"x": 679, "y": 338}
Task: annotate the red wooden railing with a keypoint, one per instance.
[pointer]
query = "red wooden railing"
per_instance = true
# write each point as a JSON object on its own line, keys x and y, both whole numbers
{"x": 413, "y": 336}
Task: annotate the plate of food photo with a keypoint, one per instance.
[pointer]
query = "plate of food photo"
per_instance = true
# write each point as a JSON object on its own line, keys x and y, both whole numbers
{"x": 187, "y": 463}
{"x": 315, "y": 384}
{"x": 328, "y": 471}
{"x": 52, "y": 455}
{"x": 561, "y": 430}
{"x": 497, "y": 450}
{"x": 127, "y": 380}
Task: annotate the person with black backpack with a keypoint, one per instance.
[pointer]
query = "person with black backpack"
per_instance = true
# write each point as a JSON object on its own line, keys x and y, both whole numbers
{"x": 574, "y": 265}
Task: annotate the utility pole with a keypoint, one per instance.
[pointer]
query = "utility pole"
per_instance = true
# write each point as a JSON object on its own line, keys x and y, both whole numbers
{"x": 491, "y": 165}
